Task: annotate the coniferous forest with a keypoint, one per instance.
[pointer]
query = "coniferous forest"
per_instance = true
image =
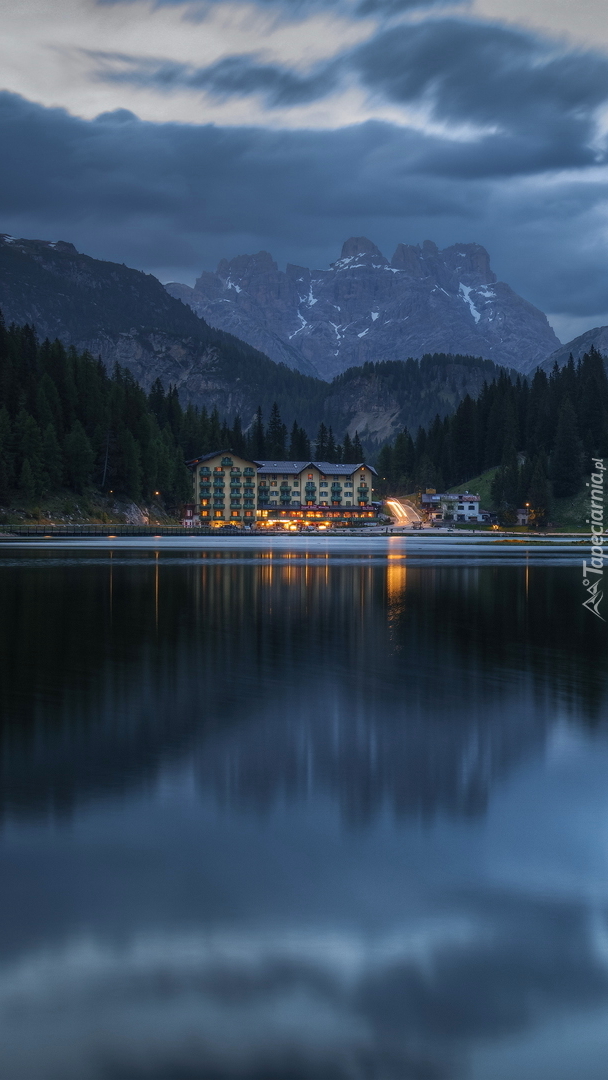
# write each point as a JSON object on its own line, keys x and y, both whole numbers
{"x": 66, "y": 424}
{"x": 540, "y": 432}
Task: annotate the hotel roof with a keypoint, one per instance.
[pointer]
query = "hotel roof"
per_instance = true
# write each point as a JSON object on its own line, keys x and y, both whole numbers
{"x": 327, "y": 468}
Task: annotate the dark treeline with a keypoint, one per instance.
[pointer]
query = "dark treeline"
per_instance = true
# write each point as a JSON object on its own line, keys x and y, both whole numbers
{"x": 274, "y": 441}
{"x": 66, "y": 424}
{"x": 540, "y": 433}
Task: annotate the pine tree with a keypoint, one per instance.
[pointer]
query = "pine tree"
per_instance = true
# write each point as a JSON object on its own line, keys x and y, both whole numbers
{"x": 299, "y": 444}
{"x": 331, "y": 446}
{"x": 321, "y": 444}
{"x": 237, "y": 439}
{"x": 427, "y": 475}
{"x": 215, "y": 433}
{"x": 276, "y": 435}
{"x": 357, "y": 449}
{"x": 27, "y": 482}
{"x": 181, "y": 487}
{"x": 348, "y": 454}
{"x": 539, "y": 493}
{"x": 464, "y": 440}
{"x": 28, "y": 441}
{"x": 6, "y": 458}
{"x": 257, "y": 440}
{"x": 156, "y": 401}
{"x": 53, "y": 458}
{"x": 386, "y": 459}
{"x": 404, "y": 457}
{"x": 225, "y": 436}
{"x": 79, "y": 457}
{"x": 566, "y": 454}
{"x": 592, "y": 404}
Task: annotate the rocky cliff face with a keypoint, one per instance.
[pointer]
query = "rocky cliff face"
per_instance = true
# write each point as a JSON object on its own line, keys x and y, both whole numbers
{"x": 364, "y": 308}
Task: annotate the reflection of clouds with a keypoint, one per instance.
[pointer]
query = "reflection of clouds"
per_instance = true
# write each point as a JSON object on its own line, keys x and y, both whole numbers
{"x": 222, "y": 1004}
{"x": 331, "y": 1005}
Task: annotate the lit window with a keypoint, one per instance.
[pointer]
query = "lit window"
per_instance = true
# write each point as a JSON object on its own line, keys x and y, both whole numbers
{"x": 310, "y": 476}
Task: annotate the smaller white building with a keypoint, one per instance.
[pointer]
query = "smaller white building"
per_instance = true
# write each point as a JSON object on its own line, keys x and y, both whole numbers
{"x": 461, "y": 507}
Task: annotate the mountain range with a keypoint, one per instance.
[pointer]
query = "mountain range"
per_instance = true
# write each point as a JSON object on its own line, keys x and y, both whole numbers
{"x": 126, "y": 316}
{"x": 365, "y": 308}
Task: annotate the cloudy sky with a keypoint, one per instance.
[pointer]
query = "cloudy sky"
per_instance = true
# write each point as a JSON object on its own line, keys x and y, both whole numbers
{"x": 170, "y": 134}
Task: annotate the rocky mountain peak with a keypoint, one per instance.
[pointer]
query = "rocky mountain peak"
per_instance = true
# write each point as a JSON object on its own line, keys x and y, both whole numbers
{"x": 360, "y": 245}
{"x": 247, "y": 266}
{"x": 364, "y": 309}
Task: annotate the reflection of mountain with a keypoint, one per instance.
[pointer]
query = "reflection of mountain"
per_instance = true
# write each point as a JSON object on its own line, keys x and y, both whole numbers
{"x": 412, "y": 689}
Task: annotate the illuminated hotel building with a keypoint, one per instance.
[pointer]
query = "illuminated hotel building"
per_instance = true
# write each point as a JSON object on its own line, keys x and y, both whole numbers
{"x": 229, "y": 488}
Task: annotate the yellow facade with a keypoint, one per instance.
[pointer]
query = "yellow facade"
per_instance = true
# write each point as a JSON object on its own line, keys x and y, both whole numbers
{"x": 225, "y": 489}
{"x": 232, "y": 489}
{"x": 313, "y": 484}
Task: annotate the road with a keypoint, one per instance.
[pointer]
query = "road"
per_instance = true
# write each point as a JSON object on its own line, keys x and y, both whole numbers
{"x": 403, "y": 512}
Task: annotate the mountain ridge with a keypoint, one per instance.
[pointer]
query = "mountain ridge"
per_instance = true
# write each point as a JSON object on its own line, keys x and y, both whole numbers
{"x": 365, "y": 308}
{"x": 126, "y": 316}
{"x": 596, "y": 337}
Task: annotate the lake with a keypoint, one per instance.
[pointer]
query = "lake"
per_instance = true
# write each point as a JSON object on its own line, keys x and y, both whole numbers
{"x": 302, "y": 809}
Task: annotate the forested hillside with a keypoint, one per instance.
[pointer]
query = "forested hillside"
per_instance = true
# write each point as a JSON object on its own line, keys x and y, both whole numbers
{"x": 541, "y": 433}
{"x": 66, "y": 424}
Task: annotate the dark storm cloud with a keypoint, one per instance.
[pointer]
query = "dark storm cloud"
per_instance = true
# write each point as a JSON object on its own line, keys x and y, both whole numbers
{"x": 233, "y": 76}
{"x": 212, "y": 177}
{"x": 175, "y": 198}
{"x": 488, "y": 75}
{"x": 534, "y": 106}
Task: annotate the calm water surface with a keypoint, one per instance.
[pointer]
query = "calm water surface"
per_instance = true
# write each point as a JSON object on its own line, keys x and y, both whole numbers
{"x": 301, "y": 812}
